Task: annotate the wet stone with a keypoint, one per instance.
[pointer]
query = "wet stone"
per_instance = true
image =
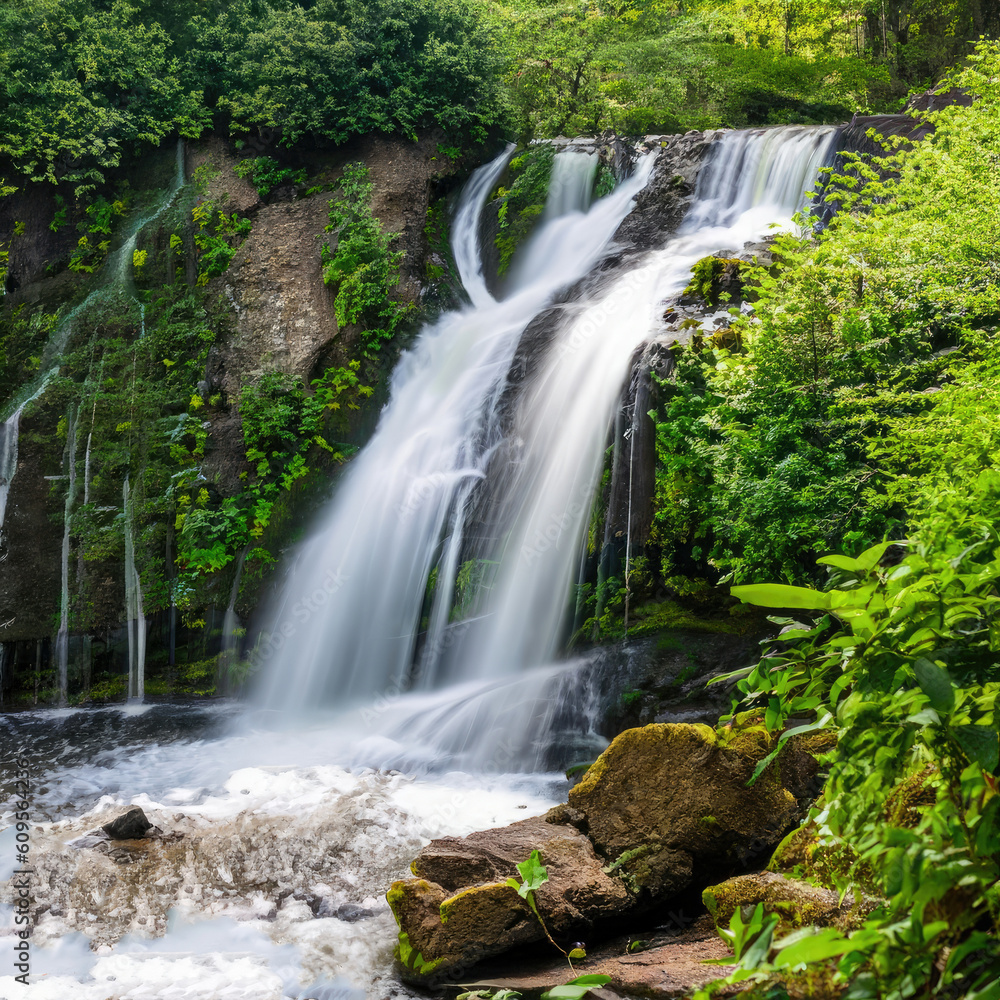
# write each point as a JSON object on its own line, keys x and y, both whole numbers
{"x": 131, "y": 825}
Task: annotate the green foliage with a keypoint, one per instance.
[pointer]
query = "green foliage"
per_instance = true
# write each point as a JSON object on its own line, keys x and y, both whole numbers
{"x": 781, "y": 447}
{"x": 362, "y": 264}
{"x": 522, "y": 203}
{"x": 265, "y": 173}
{"x": 903, "y": 665}
{"x": 216, "y": 237}
{"x": 85, "y": 84}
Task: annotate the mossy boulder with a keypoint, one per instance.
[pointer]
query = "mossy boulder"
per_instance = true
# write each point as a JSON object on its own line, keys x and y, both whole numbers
{"x": 676, "y": 786}
{"x": 796, "y": 904}
{"x": 459, "y": 909}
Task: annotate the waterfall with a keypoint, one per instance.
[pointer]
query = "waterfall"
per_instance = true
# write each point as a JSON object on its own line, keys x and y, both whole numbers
{"x": 135, "y": 619}
{"x": 8, "y": 460}
{"x": 359, "y": 590}
{"x": 564, "y": 420}
{"x": 62, "y": 636}
{"x": 383, "y": 564}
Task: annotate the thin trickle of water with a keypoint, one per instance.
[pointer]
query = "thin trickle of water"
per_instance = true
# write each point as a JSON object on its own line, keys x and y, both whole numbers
{"x": 9, "y": 432}
{"x": 118, "y": 272}
{"x": 231, "y": 624}
{"x": 62, "y": 636}
{"x": 135, "y": 619}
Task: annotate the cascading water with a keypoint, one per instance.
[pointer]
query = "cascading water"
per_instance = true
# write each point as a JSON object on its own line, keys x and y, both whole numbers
{"x": 571, "y": 186}
{"x": 353, "y": 607}
{"x": 754, "y": 180}
{"x": 8, "y": 460}
{"x": 358, "y": 593}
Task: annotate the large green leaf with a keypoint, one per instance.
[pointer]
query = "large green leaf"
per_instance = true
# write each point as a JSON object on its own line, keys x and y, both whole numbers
{"x": 780, "y": 595}
{"x": 935, "y": 682}
{"x": 842, "y": 562}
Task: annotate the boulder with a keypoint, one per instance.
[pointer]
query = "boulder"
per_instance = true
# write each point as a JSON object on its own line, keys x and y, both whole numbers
{"x": 676, "y": 786}
{"x": 795, "y": 903}
{"x": 459, "y": 908}
{"x": 131, "y": 825}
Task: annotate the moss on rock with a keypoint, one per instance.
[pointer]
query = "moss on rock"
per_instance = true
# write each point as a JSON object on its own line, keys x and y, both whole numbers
{"x": 655, "y": 786}
{"x": 796, "y": 904}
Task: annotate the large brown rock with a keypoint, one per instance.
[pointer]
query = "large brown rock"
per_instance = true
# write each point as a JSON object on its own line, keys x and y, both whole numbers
{"x": 459, "y": 909}
{"x": 675, "y": 786}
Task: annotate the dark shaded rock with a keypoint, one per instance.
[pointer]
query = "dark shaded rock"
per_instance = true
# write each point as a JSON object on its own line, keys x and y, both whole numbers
{"x": 350, "y": 913}
{"x": 660, "y": 207}
{"x": 676, "y": 786}
{"x": 131, "y": 825}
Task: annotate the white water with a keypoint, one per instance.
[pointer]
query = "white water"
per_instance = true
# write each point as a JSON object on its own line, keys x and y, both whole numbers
{"x": 347, "y": 630}
{"x": 564, "y": 421}
{"x": 8, "y": 460}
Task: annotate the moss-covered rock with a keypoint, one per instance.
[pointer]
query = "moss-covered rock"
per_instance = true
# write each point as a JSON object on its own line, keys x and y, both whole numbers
{"x": 676, "y": 786}
{"x": 795, "y": 903}
{"x": 459, "y": 909}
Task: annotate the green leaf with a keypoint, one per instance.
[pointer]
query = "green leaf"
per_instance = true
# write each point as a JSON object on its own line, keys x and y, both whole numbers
{"x": 980, "y": 744}
{"x": 935, "y": 682}
{"x": 812, "y": 946}
{"x": 780, "y": 595}
{"x": 533, "y": 874}
{"x": 577, "y": 988}
{"x": 842, "y": 562}
{"x": 870, "y": 558}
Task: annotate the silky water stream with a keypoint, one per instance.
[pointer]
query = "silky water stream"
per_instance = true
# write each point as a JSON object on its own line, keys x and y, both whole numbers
{"x": 385, "y": 715}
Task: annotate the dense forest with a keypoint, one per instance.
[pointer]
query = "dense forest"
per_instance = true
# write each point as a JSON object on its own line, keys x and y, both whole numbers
{"x": 831, "y": 455}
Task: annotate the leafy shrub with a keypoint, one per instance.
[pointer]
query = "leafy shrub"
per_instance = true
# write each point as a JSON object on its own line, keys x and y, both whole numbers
{"x": 361, "y": 263}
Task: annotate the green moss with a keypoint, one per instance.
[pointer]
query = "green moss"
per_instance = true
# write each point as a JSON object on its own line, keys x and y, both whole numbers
{"x": 493, "y": 890}
{"x": 632, "y": 740}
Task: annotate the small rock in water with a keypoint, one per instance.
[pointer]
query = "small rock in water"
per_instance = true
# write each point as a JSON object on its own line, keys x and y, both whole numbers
{"x": 352, "y": 912}
{"x": 131, "y": 825}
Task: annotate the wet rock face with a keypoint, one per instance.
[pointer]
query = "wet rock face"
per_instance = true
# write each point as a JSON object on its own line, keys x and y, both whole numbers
{"x": 659, "y": 802}
{"x": 660, "y": 207}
